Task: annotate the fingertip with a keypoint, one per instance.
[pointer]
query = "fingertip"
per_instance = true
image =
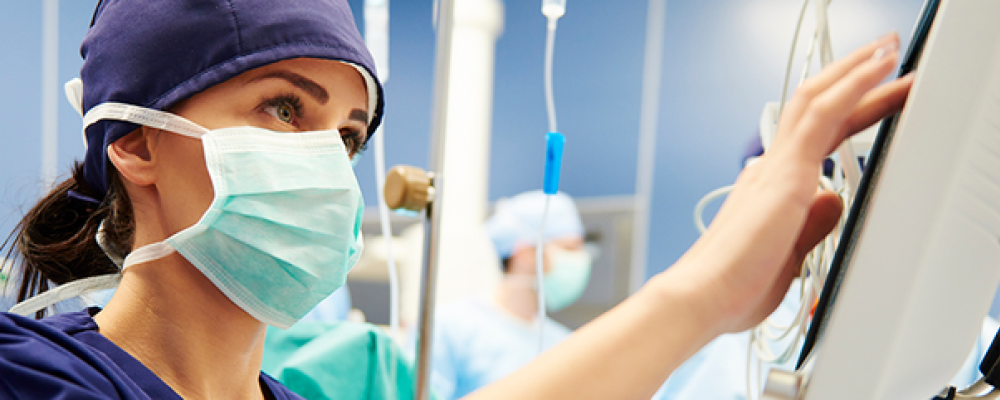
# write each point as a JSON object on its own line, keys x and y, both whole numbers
{"x": 892, "y": 36}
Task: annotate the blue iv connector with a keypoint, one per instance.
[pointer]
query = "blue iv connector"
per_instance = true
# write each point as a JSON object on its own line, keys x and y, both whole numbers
{"x": 554, "y": 142}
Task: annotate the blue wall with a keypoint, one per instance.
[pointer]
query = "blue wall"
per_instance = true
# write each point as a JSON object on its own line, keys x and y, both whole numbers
{"x": 723, "y": 59}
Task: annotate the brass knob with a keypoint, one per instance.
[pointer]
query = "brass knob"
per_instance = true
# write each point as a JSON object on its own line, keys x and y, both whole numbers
{"x": 408, "y": 187}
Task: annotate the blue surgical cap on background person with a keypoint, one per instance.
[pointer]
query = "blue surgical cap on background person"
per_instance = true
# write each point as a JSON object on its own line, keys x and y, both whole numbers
{"x": 518, "y": 219}
{"x": 155, "y": 54}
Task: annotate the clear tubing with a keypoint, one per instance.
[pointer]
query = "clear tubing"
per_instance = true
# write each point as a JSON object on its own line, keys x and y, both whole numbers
{"x": 553, "y": 10}
{"x": 377, "y": 38}
{"x": 390, "y": 261}
{"x": 383, "y": 211}
{"x": 540, "y": 276}
{"x": 550, "y": 103}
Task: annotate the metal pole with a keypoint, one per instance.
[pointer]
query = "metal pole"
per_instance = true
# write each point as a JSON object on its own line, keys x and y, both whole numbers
{"x": 432, "y": 230}
{"x": 428, "y": 285}
{"x": 646, "y": 159}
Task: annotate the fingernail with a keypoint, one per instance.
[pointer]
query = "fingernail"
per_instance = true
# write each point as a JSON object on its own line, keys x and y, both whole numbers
{"x": 885, "y": 50}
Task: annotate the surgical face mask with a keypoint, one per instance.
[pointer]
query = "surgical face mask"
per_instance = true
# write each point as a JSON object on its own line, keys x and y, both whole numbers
{"x": 284, "y": 227}
{"x": 567, "y": 277}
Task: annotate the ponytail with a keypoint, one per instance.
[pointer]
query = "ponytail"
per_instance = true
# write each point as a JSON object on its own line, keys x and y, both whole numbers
{"x": 56, "y": 240}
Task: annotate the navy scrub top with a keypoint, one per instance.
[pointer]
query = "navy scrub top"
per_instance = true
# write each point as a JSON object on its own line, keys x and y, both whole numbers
{"x": 64, "y": 357}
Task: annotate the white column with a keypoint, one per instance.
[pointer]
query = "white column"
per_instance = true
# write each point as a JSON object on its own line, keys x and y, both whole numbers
{"x": 656, "y": 15}
{"x": 50, "y": 93}
{"x": 467, "y": 264}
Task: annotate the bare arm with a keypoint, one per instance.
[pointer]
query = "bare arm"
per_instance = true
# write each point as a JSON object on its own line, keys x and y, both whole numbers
{"x": 739, "y": 270}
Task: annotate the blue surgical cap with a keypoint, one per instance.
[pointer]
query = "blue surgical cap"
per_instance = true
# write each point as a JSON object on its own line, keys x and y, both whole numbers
{"x": 155, "y": 54}
{"x": 518, "y": 219}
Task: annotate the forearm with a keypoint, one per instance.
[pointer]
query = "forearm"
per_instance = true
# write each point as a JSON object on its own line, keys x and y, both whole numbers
{"x": 627, "y": 353}
{"x": 739, "y": 270}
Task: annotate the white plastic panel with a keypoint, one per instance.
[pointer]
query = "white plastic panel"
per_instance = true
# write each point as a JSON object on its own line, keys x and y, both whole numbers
{"x": 927, "y": 263}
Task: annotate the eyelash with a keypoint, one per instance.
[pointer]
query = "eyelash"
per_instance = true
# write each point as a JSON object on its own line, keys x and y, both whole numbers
{"x": 285, "y": 99}
{"x": 357, "y": 147}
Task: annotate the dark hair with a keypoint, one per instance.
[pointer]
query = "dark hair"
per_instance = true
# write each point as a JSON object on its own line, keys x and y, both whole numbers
{"x": 505, "y": 264}
{"x": 55, "y": 241}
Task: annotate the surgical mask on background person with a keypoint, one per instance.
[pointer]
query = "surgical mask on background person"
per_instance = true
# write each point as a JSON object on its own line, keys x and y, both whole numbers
{"x": 567, "y": 277}
{"x": 284, "y": 227}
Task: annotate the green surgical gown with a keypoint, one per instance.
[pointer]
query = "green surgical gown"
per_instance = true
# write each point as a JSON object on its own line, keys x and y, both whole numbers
{"x": 339, "y": 360}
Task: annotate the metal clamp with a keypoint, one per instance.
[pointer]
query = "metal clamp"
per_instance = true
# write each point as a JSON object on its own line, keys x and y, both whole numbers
{"x": 408, "y": 188}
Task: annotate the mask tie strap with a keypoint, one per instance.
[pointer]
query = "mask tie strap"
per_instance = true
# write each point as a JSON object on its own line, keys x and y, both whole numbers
{"x": 147, "y": 253}
{"x": 102, "y": 242}
{"x": 143, "y": 116}
{"x": 64, "y": 292}
{"x": 92, "y": 284}
{"x": 74, "y": 93}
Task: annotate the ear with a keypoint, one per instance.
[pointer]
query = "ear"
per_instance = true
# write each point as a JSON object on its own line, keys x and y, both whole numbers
{"x": 132, "y": 157}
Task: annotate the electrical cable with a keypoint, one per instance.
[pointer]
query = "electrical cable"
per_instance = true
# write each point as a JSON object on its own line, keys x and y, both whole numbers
{"x": 377, "y": 39}
{"x": 699, "y": 208}
{"x": 816, "y": 264}
{"x": 791, "y": 58}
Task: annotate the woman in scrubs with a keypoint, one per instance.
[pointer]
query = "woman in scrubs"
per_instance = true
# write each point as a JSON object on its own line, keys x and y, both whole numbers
{"x": 218, "y": 177}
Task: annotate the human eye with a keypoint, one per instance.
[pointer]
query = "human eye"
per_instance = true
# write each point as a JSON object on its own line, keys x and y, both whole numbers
{"x": 353, "y": 140}
{"x": 284, "y": 108}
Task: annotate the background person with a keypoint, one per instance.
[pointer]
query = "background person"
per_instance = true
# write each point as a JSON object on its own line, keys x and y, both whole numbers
{"x": 480, "y": 340}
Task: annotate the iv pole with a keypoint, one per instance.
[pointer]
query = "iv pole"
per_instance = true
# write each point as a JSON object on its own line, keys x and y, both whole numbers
{"x": 432, "y": 232}
{"x": 476, "y": 23}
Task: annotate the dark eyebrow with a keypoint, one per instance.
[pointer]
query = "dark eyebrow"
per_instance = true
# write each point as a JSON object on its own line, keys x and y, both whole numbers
{"x": 307, "y": 85}
{"x": 359, "y": 115}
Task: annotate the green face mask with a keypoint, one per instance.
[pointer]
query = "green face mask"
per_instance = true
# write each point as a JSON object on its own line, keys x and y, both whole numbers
{"x": 567, "y": 279}
{"x": 282, "y": 231}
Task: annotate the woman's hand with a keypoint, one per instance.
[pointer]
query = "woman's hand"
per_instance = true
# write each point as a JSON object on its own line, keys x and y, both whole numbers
{"x": 743, "y": 265}
{"x": 740, "y": 269}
